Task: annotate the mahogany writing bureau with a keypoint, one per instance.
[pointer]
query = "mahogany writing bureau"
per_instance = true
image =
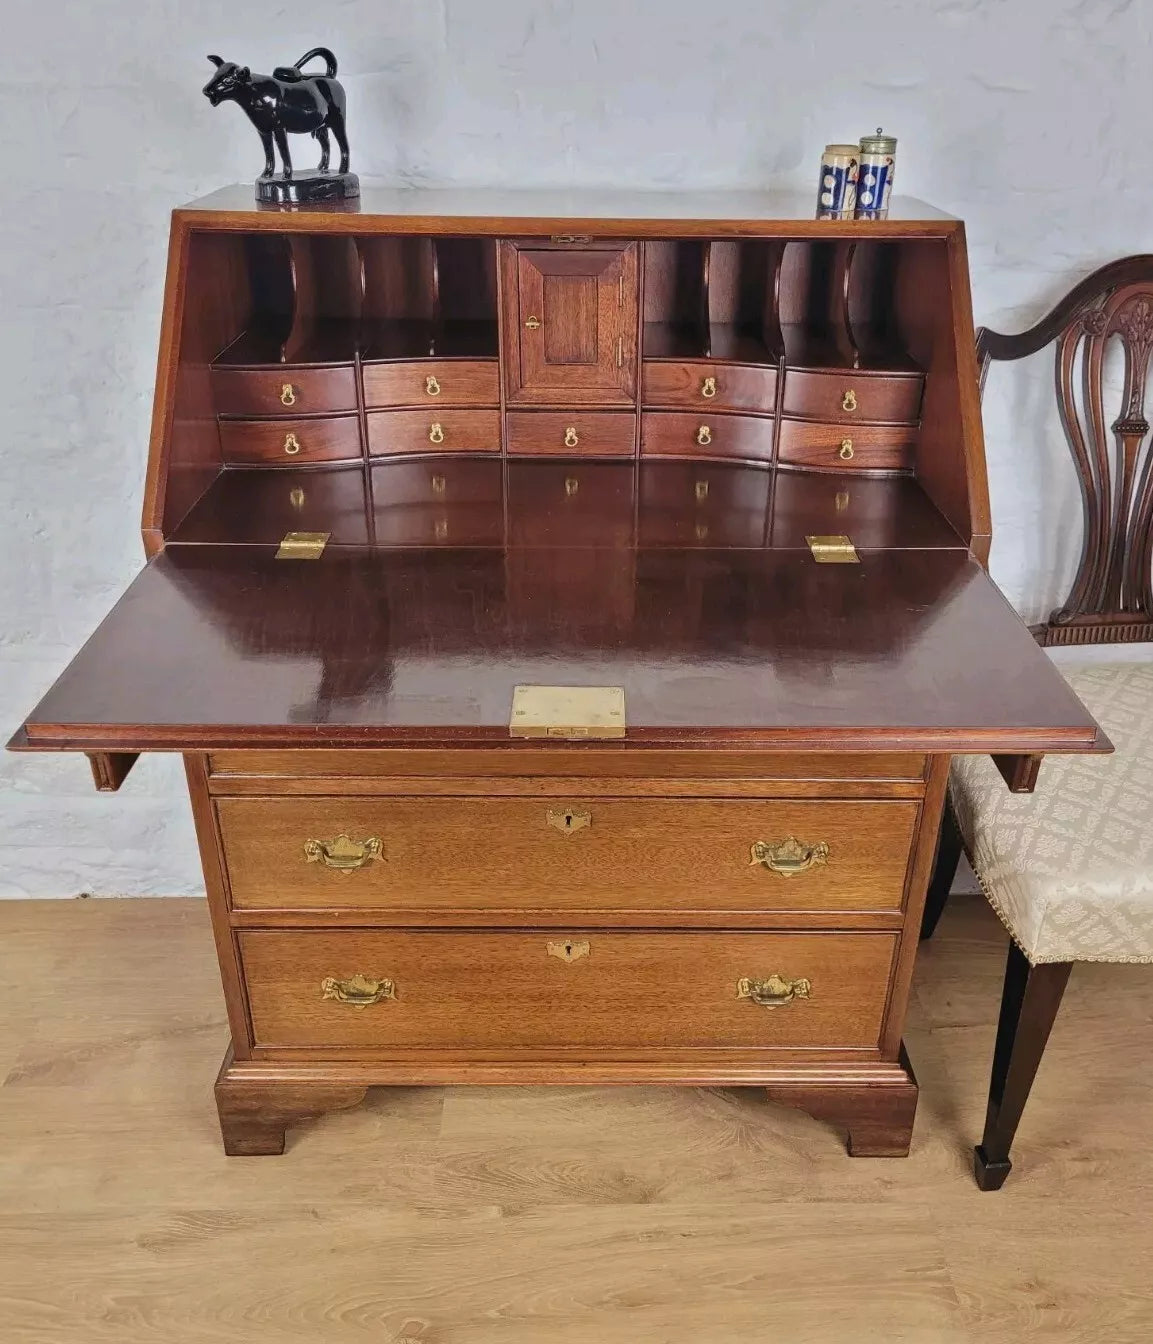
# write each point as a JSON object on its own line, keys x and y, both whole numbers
{"x": 718, "y": 466}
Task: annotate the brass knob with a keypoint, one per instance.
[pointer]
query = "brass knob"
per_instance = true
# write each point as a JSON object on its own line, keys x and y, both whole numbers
{"x": 288, "y": 395}
{"x": 343, "y": 853}
{"x": 709, "y": 387}
{"x": 774, "y": 991}
{"x": 571, "y": 485}
{"x": 431, "y": 386}
{"x": 704, "y": 435}
{"x": 849, "y": 401}
{"x": 845, "y": 452}
{"x": 532, "y": 323}
{"x": 701, "y": 489}
{"x": 571, "y": 438}
{"x": 358, "y": 990}
{"x": 436, "y": 433}
{"x": 788, "y": 857}
{"x": 438, "y": 485}
{"x": 291, "y": 445}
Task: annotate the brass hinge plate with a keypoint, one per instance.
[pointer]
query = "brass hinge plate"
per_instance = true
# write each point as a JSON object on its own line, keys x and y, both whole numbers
{"x": 303, "y": 545}
{"x": 837, "y": 550}
{"x": 573, "y": 713}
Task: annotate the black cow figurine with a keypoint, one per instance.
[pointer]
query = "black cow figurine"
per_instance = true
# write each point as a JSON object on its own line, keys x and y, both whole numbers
{"x": 290, "y": 101}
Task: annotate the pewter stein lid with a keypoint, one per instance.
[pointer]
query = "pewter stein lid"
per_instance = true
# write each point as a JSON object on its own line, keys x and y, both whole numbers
{"x": 843, "y": 151}
{"x": 879, "y": 143}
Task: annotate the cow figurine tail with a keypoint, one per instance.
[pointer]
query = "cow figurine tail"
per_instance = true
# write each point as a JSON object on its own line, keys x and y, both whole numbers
{"x": 329, "y": 60}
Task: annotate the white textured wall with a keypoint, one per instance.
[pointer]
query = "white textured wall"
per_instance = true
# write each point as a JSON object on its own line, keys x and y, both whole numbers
{"x": 1028, "y": 119}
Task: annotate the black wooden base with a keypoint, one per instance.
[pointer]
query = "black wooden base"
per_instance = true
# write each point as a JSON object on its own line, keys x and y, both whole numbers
{"x": 307, "y": 188}
{"x": 989, "y": 1175}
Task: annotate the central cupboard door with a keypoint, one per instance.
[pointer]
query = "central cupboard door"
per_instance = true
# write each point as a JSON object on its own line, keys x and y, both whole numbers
{"x": 570, "y": 324}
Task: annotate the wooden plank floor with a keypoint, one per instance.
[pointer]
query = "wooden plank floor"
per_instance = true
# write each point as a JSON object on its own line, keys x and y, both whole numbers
{"x": 572, "y": 1216}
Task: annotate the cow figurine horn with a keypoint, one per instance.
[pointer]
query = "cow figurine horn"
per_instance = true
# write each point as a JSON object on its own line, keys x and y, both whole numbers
{"x": 291, "y": 101}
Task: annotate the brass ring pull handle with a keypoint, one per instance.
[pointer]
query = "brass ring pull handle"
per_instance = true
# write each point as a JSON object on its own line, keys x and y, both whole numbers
{"x": 343, "y": 853}
{"x": 774, "y": 992}
{"x": 704, "y": 435}
{"x": 788, "y": 857}
{"x": 358, "y": 990}
{"x": 849, "y": 401}
{"x": 571, "y": 437}
{"x": 431, "y": 386}
{"x": 569, "y": 821}
{"x": 436, "y": 433}
{"x": 288, "y": 395}
{"x": 291, "y": 444}
{"x": 845, "y": 452}
{"x": 709, "y": 388}
{"x": 532, "y": 323}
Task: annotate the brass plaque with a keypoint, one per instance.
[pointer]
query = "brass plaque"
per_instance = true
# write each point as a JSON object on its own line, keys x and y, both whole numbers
{"x": 569, "y": 712}
{"x": 833, "y": 550}
{"x": 303, "y": 545}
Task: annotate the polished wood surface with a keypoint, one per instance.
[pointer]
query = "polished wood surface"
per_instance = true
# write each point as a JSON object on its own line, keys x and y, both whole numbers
{"x": 846, "y": 448}
{"x": 852, "y": 397}
{"x": 733, "y": 387}
{"x": 680, "y": 853}
{"x": 703, "y": 435}
{"x": 433, "y": 383}
{"x": 433, "y": 430}
{"x": 573, "y": 434}
{"x": 650, "y": 991}
{"x": 291, "y": 443}
{"x": 762, "y": 648}
{"x": 292, "y": 391}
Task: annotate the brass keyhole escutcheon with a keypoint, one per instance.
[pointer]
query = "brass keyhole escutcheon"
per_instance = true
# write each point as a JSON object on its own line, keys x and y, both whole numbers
{"x": 288, "y": 395}
{"x": 569, "y": 951}
{"x": 569, "y": 821}
{"x": 571, "y": 485}
{"x": 571, "y": 437}
{"x": 291, "y": 444}
{"x": 849, "y": 401}
{"x": 438, "y": 484}
{"x": 845, "y": 452}
{"x": 431, "y": 386}
{"x": 709, "y": 387}
{"x": 532, "y": 323}
{"x": 436, "y": 433}
{"x": 704, "y": 435}
{"x": 702, "y": 491}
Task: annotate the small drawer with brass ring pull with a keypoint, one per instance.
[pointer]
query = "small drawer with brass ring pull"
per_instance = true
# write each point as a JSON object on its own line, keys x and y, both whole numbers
{"x": 359, "y": 991}
{"x": 774, "y": 991}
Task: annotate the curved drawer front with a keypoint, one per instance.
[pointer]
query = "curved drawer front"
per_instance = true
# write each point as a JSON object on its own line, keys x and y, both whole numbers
{"x": 475, "y": 990}
{"x": 432, "y": 383}
{"x": 574, "y": 433}
{"x": 291, "y": 443}
{"x": 284, "y": 390}
{"x": 846, "y": 448}
{"x": 849, "y": 396}
{"x": 566, "y": 853}
{"x": 433, "y": 431}
{"x": 707, "y": 435}
{"x": 704, "y": 385}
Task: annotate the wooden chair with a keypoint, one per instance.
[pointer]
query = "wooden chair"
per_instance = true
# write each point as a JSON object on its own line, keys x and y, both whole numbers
{"x": 1069, "y": 867}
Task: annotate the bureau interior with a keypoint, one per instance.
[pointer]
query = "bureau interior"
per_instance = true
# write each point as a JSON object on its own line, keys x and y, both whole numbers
{"x": 314, "y": 360}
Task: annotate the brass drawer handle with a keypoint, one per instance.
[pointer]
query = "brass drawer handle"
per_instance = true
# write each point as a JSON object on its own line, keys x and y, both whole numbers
{"x": 571, "y": 437}
{"x": 358, "y": 990}
{"x": 788, "y": 857}
{"x": 568, "y": 822}
{"x": 431, "y": 386}
{"x": 709, "y": 387}
{"x": 436, "y": 433}
{"x": 773, "y": 992}
{"x": 845, "y": 452}
{"x": 288, "y": 395}
{"x": 532, "y": 323}
{"x": 704, "y": 435}
{"x": 849, "y": 401}
{"x": 291, "y": 444}
{"x": 343, "y": 853}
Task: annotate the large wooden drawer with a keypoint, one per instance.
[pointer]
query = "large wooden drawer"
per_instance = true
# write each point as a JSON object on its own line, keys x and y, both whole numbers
{"x": 564, "y": 853}
{"x": 291, "y": 443}
{"x": 519, "y": 990}
{"x": 287, "y": 390}
{"x": 433, "y": 383}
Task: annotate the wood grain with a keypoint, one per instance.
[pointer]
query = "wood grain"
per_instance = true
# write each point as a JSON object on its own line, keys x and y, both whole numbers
{"x": 846, "y": 448}
{"x": 309, "y": 391}
{"x": 462, "y": 382}
{"x": 504, "y": 1215}
{"x": 735, "y": 387}
{"x": 433, "y": 430}
{"x": 291, "y": 443}
{"x": 575, "y": 434}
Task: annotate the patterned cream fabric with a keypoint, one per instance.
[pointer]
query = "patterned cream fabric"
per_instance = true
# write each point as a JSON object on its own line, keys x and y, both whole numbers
{"x": 1069, "y": 868}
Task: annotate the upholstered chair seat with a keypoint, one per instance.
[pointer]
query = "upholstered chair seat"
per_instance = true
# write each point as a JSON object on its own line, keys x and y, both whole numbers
{"x": 1069, "y": 867}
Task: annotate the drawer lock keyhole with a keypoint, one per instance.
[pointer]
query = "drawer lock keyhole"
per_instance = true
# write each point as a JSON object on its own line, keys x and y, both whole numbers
{"x": 569, "y": 951}
{"x": 569, "y": 821}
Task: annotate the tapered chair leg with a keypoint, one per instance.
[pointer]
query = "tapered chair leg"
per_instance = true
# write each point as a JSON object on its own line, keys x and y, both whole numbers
{"x": 1028, "y": 1008}
{"x": 949, "y": 846}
